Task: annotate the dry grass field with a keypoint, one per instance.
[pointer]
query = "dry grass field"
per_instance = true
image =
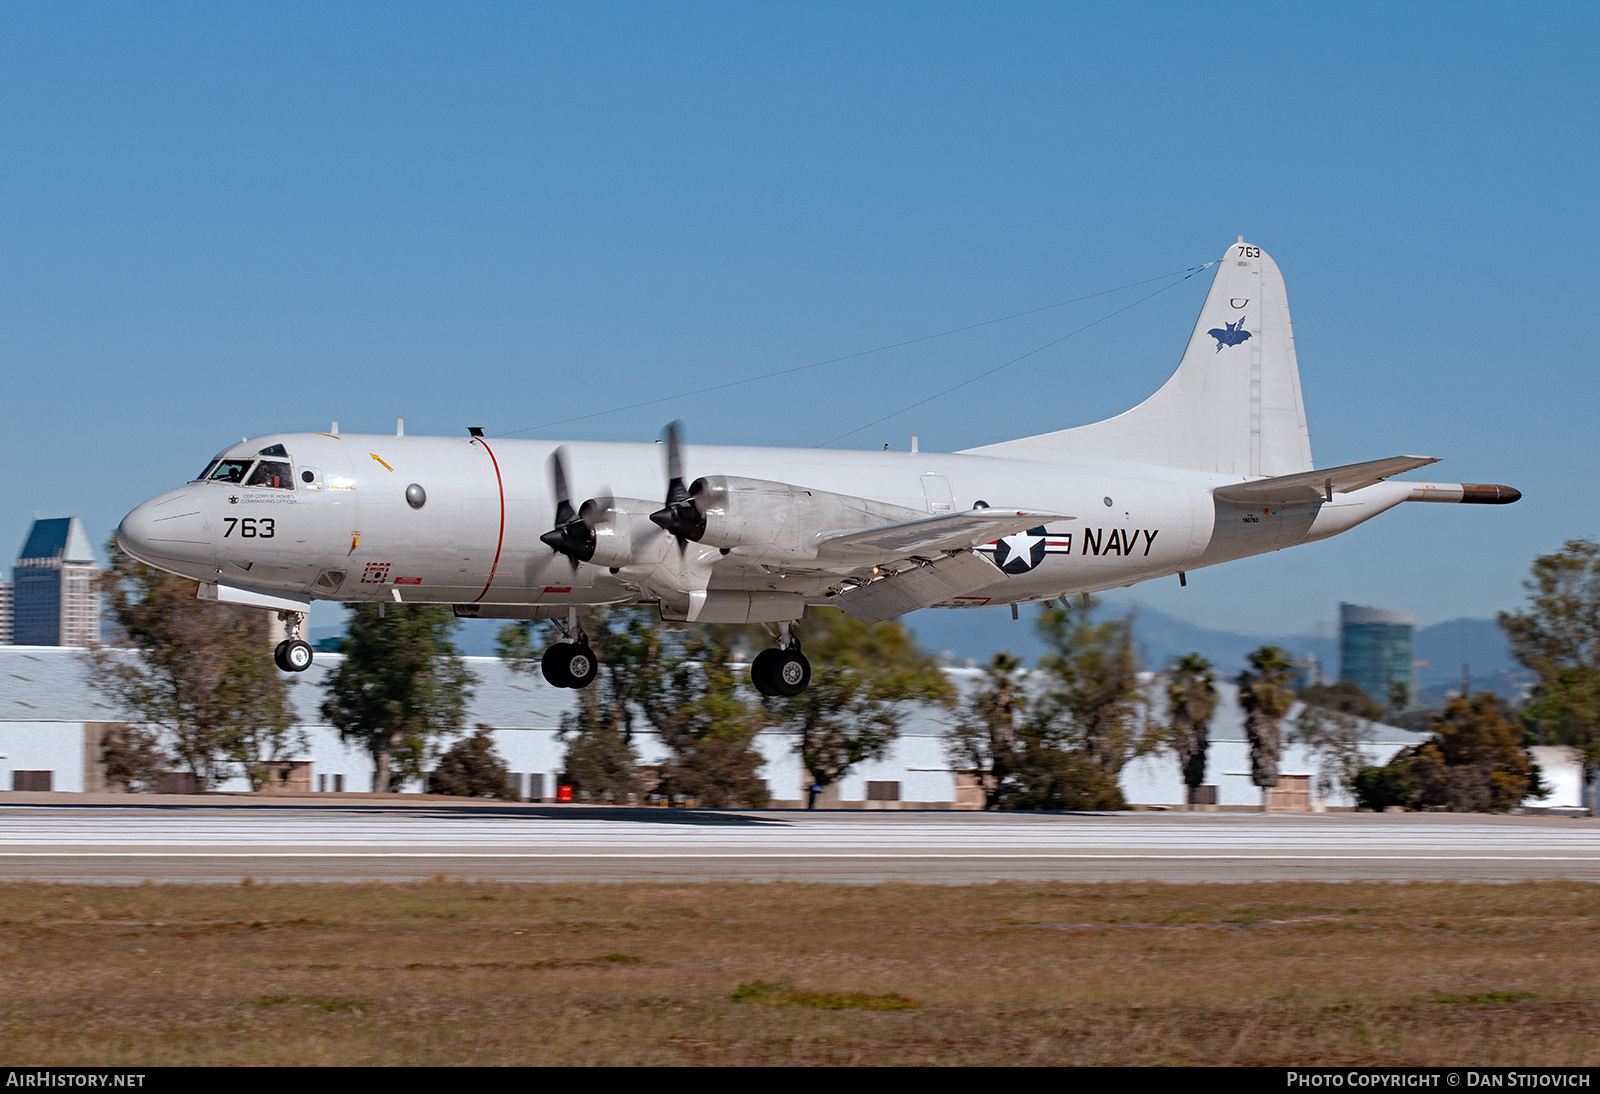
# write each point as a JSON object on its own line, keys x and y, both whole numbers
{"x": 455, "y": 973}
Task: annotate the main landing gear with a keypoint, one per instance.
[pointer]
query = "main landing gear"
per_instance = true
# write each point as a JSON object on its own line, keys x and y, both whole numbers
{"x": 783, "y": 671}
{"x": 292, "y": 654}
{"x": 570, "y": 664}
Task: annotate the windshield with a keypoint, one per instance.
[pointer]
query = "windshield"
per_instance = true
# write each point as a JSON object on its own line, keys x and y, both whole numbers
{"x": 206, "y": 474}
{"x": 272, "y": 473}
{"x": 230, "y": 471}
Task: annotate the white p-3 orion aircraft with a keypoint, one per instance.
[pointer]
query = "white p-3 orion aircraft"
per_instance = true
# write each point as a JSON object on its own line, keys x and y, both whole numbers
{"x": 1214, "y": 466}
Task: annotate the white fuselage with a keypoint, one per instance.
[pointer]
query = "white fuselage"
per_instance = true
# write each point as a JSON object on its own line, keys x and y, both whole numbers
{"x": 343, "y": 529}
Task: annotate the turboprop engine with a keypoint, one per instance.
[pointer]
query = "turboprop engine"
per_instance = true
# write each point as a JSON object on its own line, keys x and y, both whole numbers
{"x": 623, "y": 533}
{"x": 776, "y": 522}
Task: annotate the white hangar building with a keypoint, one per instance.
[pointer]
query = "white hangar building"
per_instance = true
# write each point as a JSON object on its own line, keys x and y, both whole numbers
{"x": 52, "y": 724}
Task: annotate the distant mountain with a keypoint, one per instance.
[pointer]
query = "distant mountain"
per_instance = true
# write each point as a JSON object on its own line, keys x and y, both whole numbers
{"x": 975, "y": 634}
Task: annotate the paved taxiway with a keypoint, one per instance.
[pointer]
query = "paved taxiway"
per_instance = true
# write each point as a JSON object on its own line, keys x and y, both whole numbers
{"x": 191, "y": 841}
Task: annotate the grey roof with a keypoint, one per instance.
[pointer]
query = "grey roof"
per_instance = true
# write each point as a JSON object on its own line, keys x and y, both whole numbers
{"x": 51, "y": 684}
{"x": 57, "y": 537}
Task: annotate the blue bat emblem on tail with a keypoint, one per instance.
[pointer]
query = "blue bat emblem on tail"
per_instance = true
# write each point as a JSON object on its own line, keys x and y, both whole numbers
{"x": 1230, "y": 334}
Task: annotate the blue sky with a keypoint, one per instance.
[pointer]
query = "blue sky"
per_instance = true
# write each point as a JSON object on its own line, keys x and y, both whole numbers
{"x": 220, "y": 220}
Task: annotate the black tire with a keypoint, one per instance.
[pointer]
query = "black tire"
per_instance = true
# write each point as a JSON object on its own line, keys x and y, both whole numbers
{"x": 791, "y": 672}
{"x": 761, "y": 674}
{"x": 297, "y": 655}
{"x": 581, "y": 665}
{"x": 554, "y": 665}
{"x": 277, "y": 656}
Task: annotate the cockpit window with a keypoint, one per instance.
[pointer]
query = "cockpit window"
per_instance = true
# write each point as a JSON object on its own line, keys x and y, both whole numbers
{"x": 206, "y": 474}
{"x": 230, "y": 471}
{"x": 272, "y": 473}
{"x": 274, "y": 450}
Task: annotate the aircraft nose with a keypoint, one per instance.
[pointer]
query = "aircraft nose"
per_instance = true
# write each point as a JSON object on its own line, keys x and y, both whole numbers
{"x": 165, "y": 530}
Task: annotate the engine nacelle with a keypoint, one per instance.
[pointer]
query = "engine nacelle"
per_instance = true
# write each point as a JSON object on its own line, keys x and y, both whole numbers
{"x": 779, "y": 522}
{"x": 624, "y": 534}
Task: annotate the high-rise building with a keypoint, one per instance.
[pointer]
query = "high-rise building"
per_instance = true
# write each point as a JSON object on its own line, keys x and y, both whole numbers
{"x": 1378, "y": 652}
{"x": 54, "y": 599}
{"x": 5, "y": 613}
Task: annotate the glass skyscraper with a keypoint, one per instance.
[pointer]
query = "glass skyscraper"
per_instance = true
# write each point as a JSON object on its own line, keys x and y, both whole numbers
{"x": 54, "y": 601}
{"x": 1377, "y": 651}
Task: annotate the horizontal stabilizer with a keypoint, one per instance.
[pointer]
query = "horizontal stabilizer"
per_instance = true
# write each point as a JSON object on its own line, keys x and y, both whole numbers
{"x": 919, "y": 587}
{"x": 1310, "y": 487}
{"x": 931, "y": 535}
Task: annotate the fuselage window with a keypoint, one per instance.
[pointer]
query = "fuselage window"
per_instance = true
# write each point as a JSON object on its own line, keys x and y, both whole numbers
{"x": 230, "y": 470}
{"x": 274, "y": 474}
{"x": 206, "y": 474}
{"x": 273, "y": 450}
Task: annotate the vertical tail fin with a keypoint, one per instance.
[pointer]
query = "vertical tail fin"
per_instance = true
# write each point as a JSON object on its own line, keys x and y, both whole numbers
{"x": 1234, "y": 404}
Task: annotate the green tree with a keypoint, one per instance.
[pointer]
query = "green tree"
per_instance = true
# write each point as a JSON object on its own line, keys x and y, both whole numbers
{"x": 1054, "y": 775}
{"x": 860, "y": 676}
{"x": 600, "y": 761}
{"x": 1265, "y": 696}
{"x": 1094, "y": 700}
{"x": 697, "y": 705}
{"x": 202, "y": 677}
{"x": 1558, "y": 636}
{"x": 401, "y": 688}
{"x": 1477, "y": 761}
{"x": 985, "y": 738}
{"x": 133, "y": 758}
{"x": 1338, "y": 739}
{"x": 1191, "y": 700}
{"x": 471, "y": 768}
{"x": 1346, "y": 697}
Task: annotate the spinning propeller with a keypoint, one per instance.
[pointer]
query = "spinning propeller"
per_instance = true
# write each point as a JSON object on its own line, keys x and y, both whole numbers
{"x": 680, "y": 516}
{"x": 573, "y": 534}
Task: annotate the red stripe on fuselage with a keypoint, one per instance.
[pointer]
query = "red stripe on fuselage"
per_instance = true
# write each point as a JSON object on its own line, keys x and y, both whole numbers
{"x": 499, "y": 540}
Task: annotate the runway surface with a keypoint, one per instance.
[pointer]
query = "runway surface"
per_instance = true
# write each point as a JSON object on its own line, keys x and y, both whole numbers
{"x": 350, "y": 842}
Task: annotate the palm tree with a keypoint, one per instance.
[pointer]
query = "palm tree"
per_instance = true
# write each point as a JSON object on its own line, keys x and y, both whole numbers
{"x": 1191, "y": 699}
{"x": 1265, "y": 695}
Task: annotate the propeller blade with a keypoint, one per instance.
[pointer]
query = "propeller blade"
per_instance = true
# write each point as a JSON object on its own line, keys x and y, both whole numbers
{"x": 674, "y": 456}
{"x": 571, "y": 536}
{"x": 679, "y": 516}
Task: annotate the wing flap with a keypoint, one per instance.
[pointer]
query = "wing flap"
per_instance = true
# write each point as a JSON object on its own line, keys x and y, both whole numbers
{"x": 919, "y": 587}
{"x": 1309, "y": 487}
{"x": 930, "y": 535}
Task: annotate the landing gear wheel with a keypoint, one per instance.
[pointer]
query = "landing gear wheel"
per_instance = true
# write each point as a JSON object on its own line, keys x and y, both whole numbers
{"x": 554, "y": 665}
{"x": 581, "y": 665}
{"x": 293, "y": 655}
{"x": 791, "y": 672}
{"x": 569, "y": 665}
{"x": 761, "y": 674}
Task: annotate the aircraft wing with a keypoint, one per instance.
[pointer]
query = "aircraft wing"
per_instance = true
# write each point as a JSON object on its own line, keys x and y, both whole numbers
{"x": 1310, "y": 487}
{"x": 930, "y": 535}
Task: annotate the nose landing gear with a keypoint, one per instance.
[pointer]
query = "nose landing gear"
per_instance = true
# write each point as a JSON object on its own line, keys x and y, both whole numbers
{"x": 292, "y": 654}
{"x": 570, "y": 664}
{"x": 783, "y": 671}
